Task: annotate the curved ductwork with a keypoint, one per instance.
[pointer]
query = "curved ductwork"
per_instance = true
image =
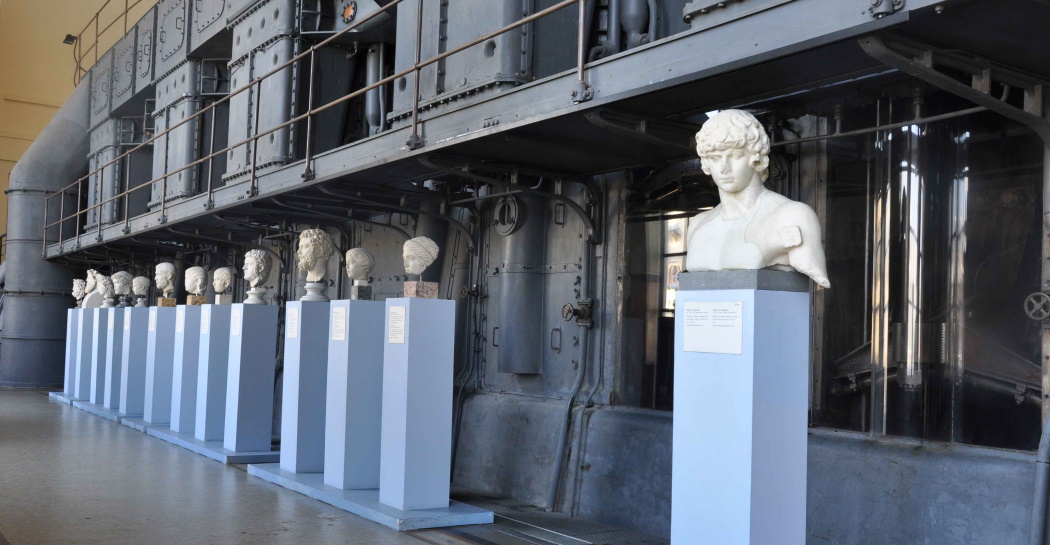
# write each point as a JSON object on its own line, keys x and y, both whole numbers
{"x": 32, "y": 345}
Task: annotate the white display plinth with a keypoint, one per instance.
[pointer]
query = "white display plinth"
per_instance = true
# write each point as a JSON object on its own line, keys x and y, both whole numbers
{"x": 160, "y": 354}
{"x": 85, "y": 340}
{"x": 133, "y": 357}
{"x": 416, "y": 446}
{"x": 354, "y": 397}
{"x": 72, "y": 331}
{"x": 99, "y": 343}
{"x": 305, "y": 376}
{"x": 214, "y": 353}
{"x": 740, "y": 426}
{"x": 250, "y": 380}
{"x": 114, "y": 357}
{"x": 184, "y": 371}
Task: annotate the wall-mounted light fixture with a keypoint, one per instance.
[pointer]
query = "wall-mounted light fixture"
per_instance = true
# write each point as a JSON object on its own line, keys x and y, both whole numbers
{"x": 69, "y": 39}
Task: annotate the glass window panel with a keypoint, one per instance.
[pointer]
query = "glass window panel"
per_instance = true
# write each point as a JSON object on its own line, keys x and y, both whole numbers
{"x": 674, "y": 235}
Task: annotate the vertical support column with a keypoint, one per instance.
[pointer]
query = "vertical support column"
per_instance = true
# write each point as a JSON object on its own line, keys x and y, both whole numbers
{"x": 211, "y": 372}
{"x": 353, "y": 425}
{"x": 305, "y": 380}
{"x": 99, "y": 341}
{"x": 160, "y": 354}
{"x": 85, "y": 339}
{"x": 72, "y": 332}
{"x": 416, "y": 447}
{"x": 740, "y": 429}
{"x": 114, "y": 357}
{"x": 133, "y": 357}
{"x": 250, "y": 380}
{"x": 184, "y": 373}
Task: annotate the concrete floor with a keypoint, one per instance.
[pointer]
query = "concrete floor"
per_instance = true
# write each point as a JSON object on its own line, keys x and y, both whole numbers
{"x": 70, "y": 477}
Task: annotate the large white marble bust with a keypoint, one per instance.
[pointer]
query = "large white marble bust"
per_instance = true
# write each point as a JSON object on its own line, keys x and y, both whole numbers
{"x": 121, "y": 282}
{"x": 752, "y": 227}
{"x": 359, "y": 265}
{"x": 91, "y": 283}
{"x": 315, "y": 248}
{"x": 419, "y": 253}
{"x": 105, "y": 288}
{"x": 92, "y": 297}
{"x": 79, "y": 289}
{"x": 165, "y": 278}
{"x": 196, "y": 280}
{"x": 257, "y": 265}
{"x": 221, "y": 279}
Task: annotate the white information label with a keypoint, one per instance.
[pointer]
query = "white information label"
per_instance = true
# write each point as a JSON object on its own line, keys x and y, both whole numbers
{"x": 715, "y": 327}
{"x": 205, "y": 319}
{"x": 235, "y": 321}
{"x": 127, "y": 320}
{"x": 338, "y": 323}
{"x": 180, "y": 319}
{"x": 291, "y": 325}
{"x": 109, "y": 320}
{"x": 396, "y": 326}
{"x": 153, "y": 319}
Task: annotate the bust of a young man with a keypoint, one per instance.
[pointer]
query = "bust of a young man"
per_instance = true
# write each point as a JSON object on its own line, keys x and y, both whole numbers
{"x": 752, "y": 227}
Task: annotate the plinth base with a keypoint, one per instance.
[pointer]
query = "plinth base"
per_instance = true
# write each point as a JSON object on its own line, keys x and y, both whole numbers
{"x": 421, "y": 290}
{"x": 196, "y": 300}
{"x": 165, "y": 301}
{"x": 213, "y": 449}
{"x": 61, "y": 397}
{"x": 138, "y": 424}
{"x": 365, "y": 503}
{"x": 97, "y": 410}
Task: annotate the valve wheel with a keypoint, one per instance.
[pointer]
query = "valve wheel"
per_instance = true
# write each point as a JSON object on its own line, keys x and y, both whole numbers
{"x": 1037, "y": 306}
{"x": 568, "y": 312}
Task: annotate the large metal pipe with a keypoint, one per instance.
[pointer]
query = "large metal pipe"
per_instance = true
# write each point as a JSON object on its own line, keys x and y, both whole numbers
{"x": 32, "y": 344}
{"x": 373, "y": 99}
{"x": 521, "y": 283}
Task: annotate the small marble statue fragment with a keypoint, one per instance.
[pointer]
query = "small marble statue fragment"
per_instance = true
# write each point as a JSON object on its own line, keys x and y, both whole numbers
{"x": 315, "y": 248}
{"x": 359, "y": 265}
{"x": 79, "y": 290}
{"x": 257, "y": 265}
{"x": 196, "y": 283}
{"x": 752, "y": 227}
{"x": 221, "y": 279}
{"x": 164, "y": 278}
{"x": 140, "y": 287}
{"x": 122, "y": 287}
{"x": 419, "y": 253}
{"x": 92, "y": 297}
{"x": 105, "y": 288}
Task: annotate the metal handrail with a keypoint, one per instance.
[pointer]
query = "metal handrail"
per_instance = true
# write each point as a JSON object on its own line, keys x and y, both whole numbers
{"x": 79, "y": 54}
{"x": 413, "y": 142}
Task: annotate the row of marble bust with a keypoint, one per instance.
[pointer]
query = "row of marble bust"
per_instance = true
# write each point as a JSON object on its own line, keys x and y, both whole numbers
{"x": 315, "y": 249}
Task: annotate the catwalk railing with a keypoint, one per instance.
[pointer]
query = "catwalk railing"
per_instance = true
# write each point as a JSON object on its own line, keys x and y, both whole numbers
{"x": 94, "y": 30}
{"x": 414, "y": 141}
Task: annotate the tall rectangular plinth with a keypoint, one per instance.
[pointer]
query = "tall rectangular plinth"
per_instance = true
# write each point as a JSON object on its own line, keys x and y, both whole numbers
{"x": 214, "y": 353}
{"x": 353, "y": 425}
{"x": 85, "y": 342}
{"x": 72, "y": 331}
{"x": 416, "y": 446}
{"x": 160, "y": 354}
{"x": 741, "y": 379}
{"x": 99, "y": 343}
{"x": 305, "y": 376}
{"x": 114, "y": 357}
{"x": 184, "y": 371}
{"x": 133, "y": 358}
{"x": 250, "y": 377}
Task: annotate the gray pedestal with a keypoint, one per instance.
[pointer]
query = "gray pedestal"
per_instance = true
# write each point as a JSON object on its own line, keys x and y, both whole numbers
{"x": 250, "y": 380}
{"x": 212, "y": 368}
{"x": 417, "y": 403}
{"x": 114, "y": 358}
{"x": 72, "y": 330}
{"x": 133, "y": 356}
{"x": 184, "y": 371}
{"x": 99, "y": 343}
{"x": 85, "y": 340}
{"x": 305, "y": 376}
{"x": 353, "y": 425}
{"x": 741, "y": 374}
{"x": 160, "y": 354}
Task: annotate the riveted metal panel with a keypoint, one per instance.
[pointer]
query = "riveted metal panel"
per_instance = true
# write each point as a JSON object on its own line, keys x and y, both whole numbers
{"x": 172, "y": 30}
{"x": 209, "y": 21}
{"x": 145, "y": 49}
{"x": 178, "y": 98}
{"x": 124, "y": 70}
{"x": 260, "y": 24}
{"x": 101, "y": 88}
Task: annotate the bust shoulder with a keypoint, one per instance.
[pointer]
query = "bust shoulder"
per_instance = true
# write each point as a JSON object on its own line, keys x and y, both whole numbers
{"x": 788, "y": 212}
{"x": 699, "y": 220}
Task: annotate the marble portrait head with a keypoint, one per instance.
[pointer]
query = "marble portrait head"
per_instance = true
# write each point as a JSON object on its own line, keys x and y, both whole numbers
{"x": 359, "y": 264}
{"x": 419, "y": 253}
{"x": 79, "y": 288}
{"x": 734, "y": 150}
{"x": 257, "y": 265}
{"x": 315, "y": 248}
{"x": 91, "y": 282}
{"x": 122, "y": 282}
{"x": 196, "y": 280}
{"x": 105, "y": 286}
{"x": 140, "y": 286}
{"x": 221, "y": 279}
{"x": 165, "y": 278}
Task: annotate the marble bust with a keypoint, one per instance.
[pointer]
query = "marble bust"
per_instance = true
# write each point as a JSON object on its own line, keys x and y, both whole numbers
{"x": 196, "y": 280}
{"x": 315, "y": 248}
{"x": 122, "y": 287}
{"x": 752, "y": 227}
{"x": 92, "y": 297}
{"x": 79, "y": 290}
{"x": 91, "y": 282}
{"x": 165, "y": 278}
{"x": 419, "y": 253}
{"x": 105, "y": 288}
{"x": 257, "y": 265}
{"x": 359, "y": 265}
{"x": 221, "y": 279}
{"x": 140, "y": 287}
